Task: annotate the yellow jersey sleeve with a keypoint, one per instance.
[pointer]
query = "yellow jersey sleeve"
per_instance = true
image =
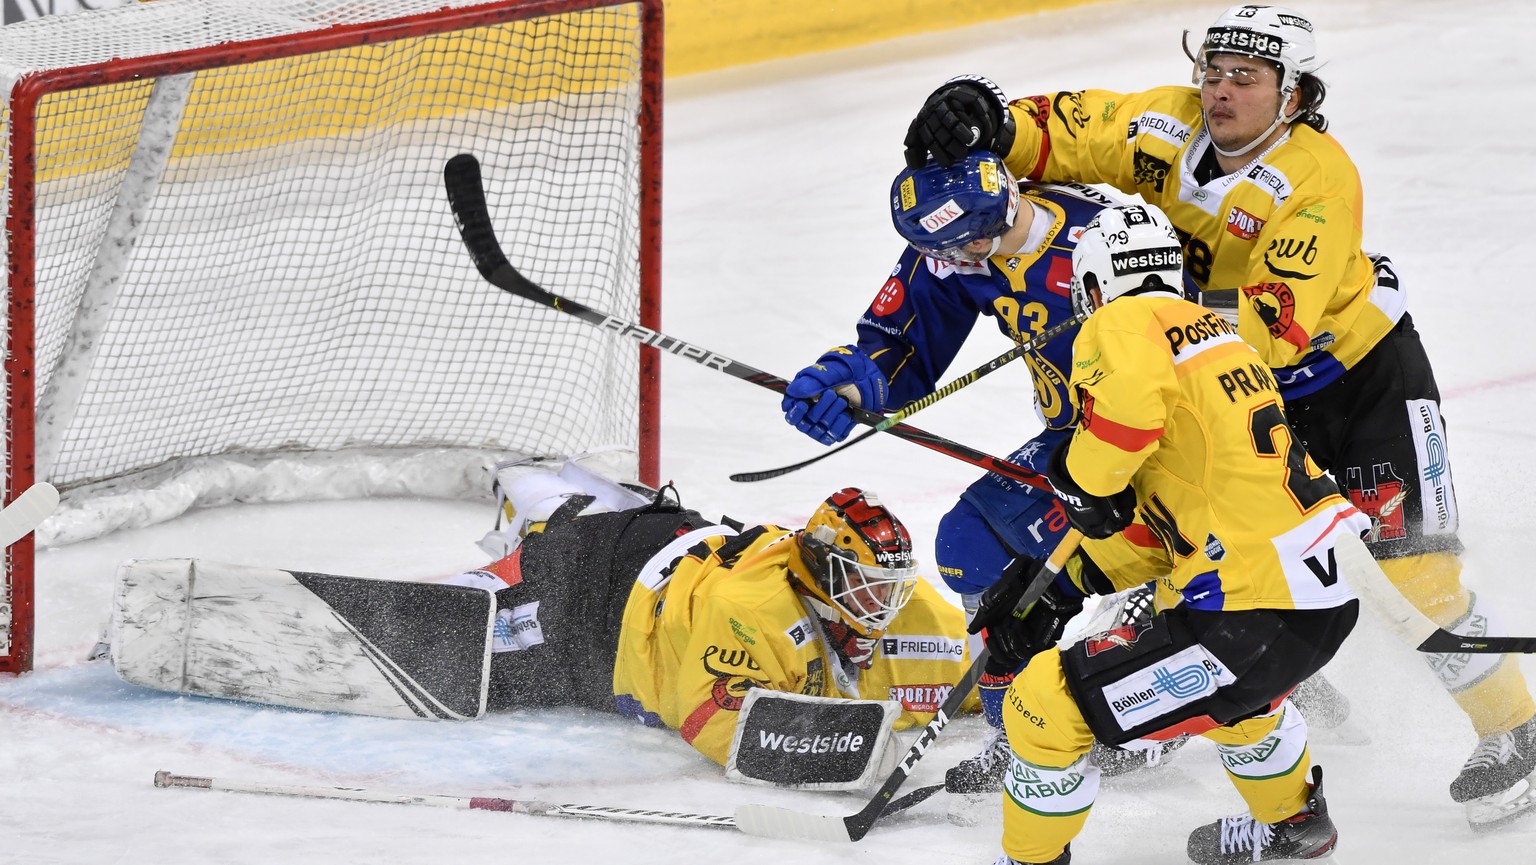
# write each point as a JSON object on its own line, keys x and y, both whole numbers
{"x": 1125, "y": 384}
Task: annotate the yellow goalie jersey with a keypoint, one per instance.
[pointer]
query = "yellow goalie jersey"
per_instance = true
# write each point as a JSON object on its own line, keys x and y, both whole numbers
{"x": 1281, "y": 236}
{"x": 728, "y": 620}
{"x": 1176, "y": 405}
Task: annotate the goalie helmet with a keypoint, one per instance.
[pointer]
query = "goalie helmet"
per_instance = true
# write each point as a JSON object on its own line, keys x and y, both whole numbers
{"x": 856, "y": 559}
{"x": 1276, "y": 34}
{"x": 1125, "y": 249}
{"x": 939, "y": 210}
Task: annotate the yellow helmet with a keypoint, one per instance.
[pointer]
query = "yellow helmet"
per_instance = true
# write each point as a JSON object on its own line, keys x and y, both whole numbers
{"x": 856, "y": 558}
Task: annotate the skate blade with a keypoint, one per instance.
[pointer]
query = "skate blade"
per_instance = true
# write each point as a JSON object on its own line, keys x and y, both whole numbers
{"x": 1500, "y": 809}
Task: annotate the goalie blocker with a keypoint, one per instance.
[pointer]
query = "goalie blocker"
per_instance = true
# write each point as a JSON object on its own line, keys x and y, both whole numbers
{"x": 812, "y": 743}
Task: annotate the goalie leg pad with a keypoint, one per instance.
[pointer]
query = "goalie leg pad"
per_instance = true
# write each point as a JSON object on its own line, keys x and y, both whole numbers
{"x": 812, "y": 743}
{"x": 306, "y": 641}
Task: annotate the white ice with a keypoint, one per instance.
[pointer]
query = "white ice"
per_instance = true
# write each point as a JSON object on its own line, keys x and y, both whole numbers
{"x": 776, "y": 235}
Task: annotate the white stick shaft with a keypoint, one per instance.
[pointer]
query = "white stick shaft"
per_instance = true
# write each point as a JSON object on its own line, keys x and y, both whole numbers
{"x": 467, "y": 803}
{"x": 1376, "y": 592}
{"x": 27, "y": 512}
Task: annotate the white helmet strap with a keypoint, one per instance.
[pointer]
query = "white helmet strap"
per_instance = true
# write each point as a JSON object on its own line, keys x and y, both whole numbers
{"x": 1242, "y": 151}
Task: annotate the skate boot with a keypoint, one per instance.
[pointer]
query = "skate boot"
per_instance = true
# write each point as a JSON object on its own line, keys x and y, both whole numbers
{"x": 1323, "y": 705}
{"x": 982, "y": 773}
{"x": 1064, "y": 859}
{"x": 1114, "y": 761}
{"x": 1495, "y": 782}
{"x": 1309, "y": 834}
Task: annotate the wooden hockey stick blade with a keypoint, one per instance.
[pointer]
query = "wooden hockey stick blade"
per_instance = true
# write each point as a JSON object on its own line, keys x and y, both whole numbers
{"x": 466, "y": 196}
{"x": 468, "y": 803}
{"x": 772, "y": 821}
{"x": 26, "y": 512}
{"x": 1376, "y": 591}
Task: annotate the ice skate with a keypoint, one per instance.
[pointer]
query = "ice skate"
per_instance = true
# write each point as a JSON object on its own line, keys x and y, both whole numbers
{"x": 982, "y": 773}
{"x": 1495, "y": 783}
{"x": 1310, "y": 834}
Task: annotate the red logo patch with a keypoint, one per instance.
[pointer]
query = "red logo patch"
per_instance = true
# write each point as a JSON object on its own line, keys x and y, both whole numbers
{"x": 1382, "y": 502}
{"x": 1276, "y": 306}
{"x": 1058, "y": 278}
{"x": 921, "y": 698}
{"x": 890, "y": 297}
{"x": 1087, "y": 401}
{"x": 1243, "y": 224}
{"x": 1122, "y": 637}
{"x": 509, "y": 569}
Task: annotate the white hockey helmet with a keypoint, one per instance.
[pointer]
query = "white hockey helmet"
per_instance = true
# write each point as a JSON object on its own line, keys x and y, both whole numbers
{"x": 1276, "y": 34}
{"x": 1124, "y": 249}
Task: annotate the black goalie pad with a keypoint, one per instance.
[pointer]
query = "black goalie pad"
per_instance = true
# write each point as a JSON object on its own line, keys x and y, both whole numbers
{"x": 812, "y": 743}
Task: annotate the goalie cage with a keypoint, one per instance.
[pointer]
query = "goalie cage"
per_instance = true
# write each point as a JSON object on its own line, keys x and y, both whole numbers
{"x": 233, "y": 276}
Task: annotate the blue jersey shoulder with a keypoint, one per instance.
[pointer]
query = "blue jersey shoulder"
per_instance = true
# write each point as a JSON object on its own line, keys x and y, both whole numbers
{"x": 927, "y": 308}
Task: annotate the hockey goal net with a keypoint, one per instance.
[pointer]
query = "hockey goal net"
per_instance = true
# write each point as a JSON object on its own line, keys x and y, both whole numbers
{"x": 233, "y": 274}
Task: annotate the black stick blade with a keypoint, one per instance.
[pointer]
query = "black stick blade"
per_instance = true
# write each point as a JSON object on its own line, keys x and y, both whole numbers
{"x": 466, "y": 195}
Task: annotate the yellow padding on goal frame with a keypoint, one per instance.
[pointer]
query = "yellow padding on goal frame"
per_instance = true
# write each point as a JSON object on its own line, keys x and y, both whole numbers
{"x": 428, "y": 77}
{"x": 254, "y": 105}
{"x": 705, "y": 35}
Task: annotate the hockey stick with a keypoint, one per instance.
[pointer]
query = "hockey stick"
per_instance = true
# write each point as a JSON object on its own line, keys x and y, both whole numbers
{"x": 466, "y": 195}
{"x": 26, "y": 512}
{"x": 1373, "y": 587}
{"x": 772, "y": 821}
{"x": 467, "y": 803}
{"x": 1033, "y": 343}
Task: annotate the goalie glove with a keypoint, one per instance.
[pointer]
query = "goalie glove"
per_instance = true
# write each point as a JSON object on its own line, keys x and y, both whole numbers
{"x": 817, "y": 399}
{"x": 965, "y": 114}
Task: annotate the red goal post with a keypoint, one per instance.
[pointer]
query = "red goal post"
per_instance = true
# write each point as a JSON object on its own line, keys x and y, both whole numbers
{"x": 232, "y": 274}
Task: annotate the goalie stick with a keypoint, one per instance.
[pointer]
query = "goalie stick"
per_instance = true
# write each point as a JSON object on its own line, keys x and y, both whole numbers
{"x": 466, "y": 195}
{"x": 467, "y": 803}
{"x": 1032, "y": 344}
{"x": 26, "y": 512}
{"x": 486, "y": 803}
{"x": 772, "y": 821}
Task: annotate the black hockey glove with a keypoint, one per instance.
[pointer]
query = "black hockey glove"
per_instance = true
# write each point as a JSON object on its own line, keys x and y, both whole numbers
{"x": 1014, "y": 637}
{"x": 1097, "y": 517}
{"x": 965, "y": 114}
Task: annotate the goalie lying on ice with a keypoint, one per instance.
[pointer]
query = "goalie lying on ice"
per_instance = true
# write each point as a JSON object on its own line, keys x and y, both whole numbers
{"x": 788, "y": 655}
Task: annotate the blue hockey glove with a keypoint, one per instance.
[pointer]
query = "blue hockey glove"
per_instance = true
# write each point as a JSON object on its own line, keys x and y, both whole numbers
{"x": 812, "y": 406}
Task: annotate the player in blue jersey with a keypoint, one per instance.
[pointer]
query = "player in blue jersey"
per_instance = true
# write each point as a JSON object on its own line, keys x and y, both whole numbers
{"x": 980, "y": 244}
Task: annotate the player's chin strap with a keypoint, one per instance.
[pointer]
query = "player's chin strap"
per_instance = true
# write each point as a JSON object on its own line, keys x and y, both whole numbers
{"x": 1279, "y": 119}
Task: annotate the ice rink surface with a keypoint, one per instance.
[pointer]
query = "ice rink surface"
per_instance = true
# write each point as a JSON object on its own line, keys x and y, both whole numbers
{"x": 776, "y": 235}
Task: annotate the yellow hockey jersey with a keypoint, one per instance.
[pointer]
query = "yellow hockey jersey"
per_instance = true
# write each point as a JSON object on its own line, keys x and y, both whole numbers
{"x": 1281, "y": 236}
{"x": 728, "y": 620}
{"x": 1181, "y": 409}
